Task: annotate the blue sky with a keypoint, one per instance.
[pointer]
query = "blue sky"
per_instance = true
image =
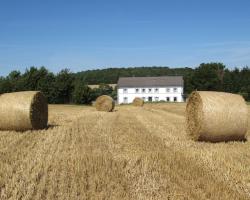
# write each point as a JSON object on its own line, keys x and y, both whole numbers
{"x": 90, "y": 34}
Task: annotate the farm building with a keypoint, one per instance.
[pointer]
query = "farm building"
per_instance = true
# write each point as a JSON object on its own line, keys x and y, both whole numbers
{"x": 150, "y": 89}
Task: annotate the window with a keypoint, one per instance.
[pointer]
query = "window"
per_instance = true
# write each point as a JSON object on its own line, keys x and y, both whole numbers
{"x": 137, "y": 90}
{"x": 143, "y": 90}
{"x": 125, "y": 99}
{"x": 175, "y": 99}
{"x": 156, "y": 90}
{"x": 125, "y": 90}
{"x": 156, "y": 98}
{"x": 175, "y": 89}
{"x": 149, "y": 90}
{"x": 167, "y": 99}
{"x": 144, "y": 98}
{"x": 167, "y": 89}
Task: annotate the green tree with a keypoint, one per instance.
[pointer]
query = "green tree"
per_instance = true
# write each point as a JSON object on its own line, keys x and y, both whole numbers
{"x": 208, "y": 76}
{"x": 5, "y": 85}
{"x": 103, "y": 89}
{"x": 59, "y": 88}
{"x": 114, "y": 93}
{"x": 81, "y": 93}
{"x": 63, "y": 87}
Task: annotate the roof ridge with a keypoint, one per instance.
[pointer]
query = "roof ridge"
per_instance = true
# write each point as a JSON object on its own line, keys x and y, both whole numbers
{"x": 150, "y": 81}
{"x": 150, "y": 76}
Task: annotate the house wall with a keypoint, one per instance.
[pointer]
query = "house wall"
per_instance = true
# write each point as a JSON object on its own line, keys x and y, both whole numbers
{"x": 157, "y": 94}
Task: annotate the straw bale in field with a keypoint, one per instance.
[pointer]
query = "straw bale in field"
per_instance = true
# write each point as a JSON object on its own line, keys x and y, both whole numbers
{"x": 22, "y": 111}
{"x": 105, "y": 103}
{"x": 216, "y": 116}
{"x": 138, "y": 101}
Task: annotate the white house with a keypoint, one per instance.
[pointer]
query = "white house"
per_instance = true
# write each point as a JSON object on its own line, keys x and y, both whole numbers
{"x": 166, "y": 88}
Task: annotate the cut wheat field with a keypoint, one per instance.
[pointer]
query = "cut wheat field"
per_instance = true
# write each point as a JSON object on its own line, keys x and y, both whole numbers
{"x": 131, "y": 153}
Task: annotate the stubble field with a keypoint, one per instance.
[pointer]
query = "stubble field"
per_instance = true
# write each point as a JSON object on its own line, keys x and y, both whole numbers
{"x": 132, "y": 153}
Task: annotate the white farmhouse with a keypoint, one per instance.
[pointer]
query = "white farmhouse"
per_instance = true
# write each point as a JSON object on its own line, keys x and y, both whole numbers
{"x": 166, "y": 88}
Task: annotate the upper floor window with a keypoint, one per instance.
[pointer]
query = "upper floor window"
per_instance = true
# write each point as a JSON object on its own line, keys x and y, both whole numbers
{"x": 143, "y": 90}
{"x": 136, "y": 90}
{"x": 156, "y": 90}
{"x": 125, "y": 90}
{"x": 175, "y": 89}
{"x": 149, "y": 90}
{"x": 167, "y": 89}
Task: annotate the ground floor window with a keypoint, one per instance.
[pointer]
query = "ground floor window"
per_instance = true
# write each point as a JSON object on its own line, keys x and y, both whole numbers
{"x": 175, "y": 99}
{"x": 144, "y": 98}
{"x": 125, "y": 99}
{"x": 156, "y": 98}
{"x": 167, "y": 99}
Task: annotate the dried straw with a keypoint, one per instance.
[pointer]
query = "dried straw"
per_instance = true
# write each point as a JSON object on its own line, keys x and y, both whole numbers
{"x": 22, "y": 111}
{"x": 216, "y": 116}
{"x": 138, "y": 102}
{"x": 105, "y": 103}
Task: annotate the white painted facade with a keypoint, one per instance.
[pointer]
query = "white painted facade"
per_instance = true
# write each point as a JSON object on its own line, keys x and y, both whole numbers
{"x": 171, "y": 94}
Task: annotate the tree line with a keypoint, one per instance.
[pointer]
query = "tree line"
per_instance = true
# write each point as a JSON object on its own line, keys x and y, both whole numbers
{"x": 67, "y": 87}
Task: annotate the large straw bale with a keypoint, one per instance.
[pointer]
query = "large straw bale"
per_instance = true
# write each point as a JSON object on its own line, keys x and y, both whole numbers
{"x": 138, "y": 101}
{"x": 22, "y": 111}
{"x": 105, "y": 103}
{"x": 216, "y": 116}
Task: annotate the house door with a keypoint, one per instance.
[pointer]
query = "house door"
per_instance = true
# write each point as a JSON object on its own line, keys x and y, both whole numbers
{"x": 149, "y": 99}
{"x": 125, "y": 100}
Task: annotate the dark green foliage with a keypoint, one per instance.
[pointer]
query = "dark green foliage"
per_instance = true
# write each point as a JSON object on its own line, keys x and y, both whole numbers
{"x": 111, "y": 75}
{"x": 103, "y": 89}
{"x": 114, "y": 93}
{"x": 82, "y": 94}
{"x": 206, "y": 77}
{"x": 63, "y": 87}
{"x": 67, "y": 87}
{"x": 5, "y": 85}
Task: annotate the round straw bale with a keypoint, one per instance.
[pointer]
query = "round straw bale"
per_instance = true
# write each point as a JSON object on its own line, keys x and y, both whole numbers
{"x": 216, "y": 116}
{"x": 138, "y": 101}
{"x": 22, "y": 111}
{"x": 104, "y": 103}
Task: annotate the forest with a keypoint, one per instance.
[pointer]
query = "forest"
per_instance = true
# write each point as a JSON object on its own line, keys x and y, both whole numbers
{"x": 68, "y": 87}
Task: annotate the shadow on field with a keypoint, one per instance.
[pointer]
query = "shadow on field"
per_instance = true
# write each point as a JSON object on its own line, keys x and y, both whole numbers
{"x": 223, "y": 140}
{"x": 51, "y": 126}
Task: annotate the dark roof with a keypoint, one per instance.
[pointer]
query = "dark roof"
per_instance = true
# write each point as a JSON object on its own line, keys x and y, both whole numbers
{"x": 150, "y": 81}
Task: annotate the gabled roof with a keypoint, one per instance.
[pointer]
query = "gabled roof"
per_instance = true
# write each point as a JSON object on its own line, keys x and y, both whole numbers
{"x": 160, "y": 81}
